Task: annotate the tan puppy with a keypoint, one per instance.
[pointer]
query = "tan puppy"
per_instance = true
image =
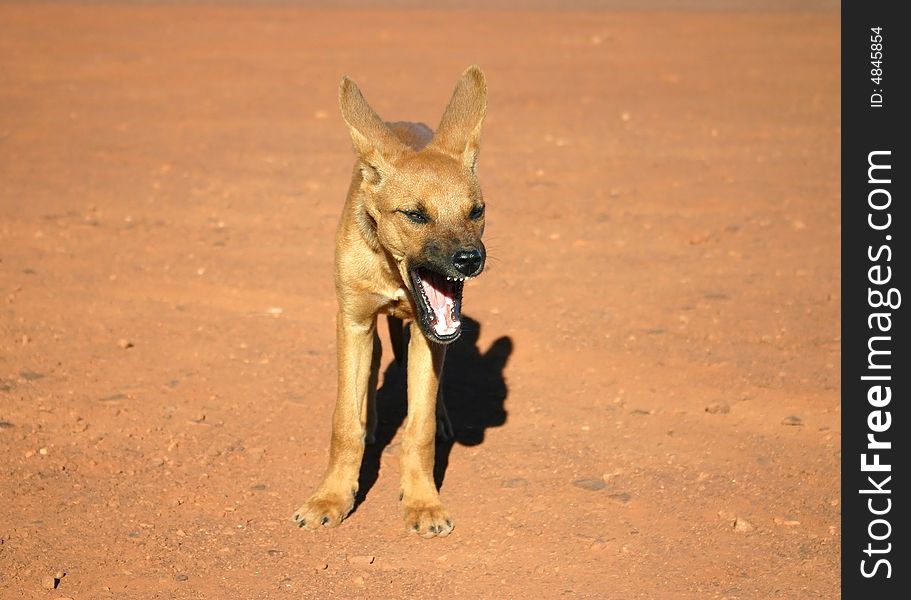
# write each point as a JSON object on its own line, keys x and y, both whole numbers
{"x": 409, "y": 236}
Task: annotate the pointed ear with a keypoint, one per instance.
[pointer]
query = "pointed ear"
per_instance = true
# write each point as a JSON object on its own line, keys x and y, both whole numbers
{"x": 374, "y": 142}
{"x": 459, "y": 132}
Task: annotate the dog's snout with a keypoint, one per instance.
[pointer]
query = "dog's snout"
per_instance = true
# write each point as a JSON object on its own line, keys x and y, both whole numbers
{"x": 468, "y": 262}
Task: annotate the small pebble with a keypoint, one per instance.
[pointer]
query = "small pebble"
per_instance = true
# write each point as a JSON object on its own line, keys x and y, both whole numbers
{"x": 48, "y": 582}
{"x": 590, "y": 484}
{"x": 514, "y": 483}
{"x": 361, "y": 560}
{"x": 742, "y": 525}
{"x": 622, "y": 497}
{"x": 43, "y": 451}
{"x": 124, "y": 343}
{"x": 718, "y": 408}
{"x": 792, "y": 420}
{"x": 181, "y": 577}
{"x": 609, "y": 476}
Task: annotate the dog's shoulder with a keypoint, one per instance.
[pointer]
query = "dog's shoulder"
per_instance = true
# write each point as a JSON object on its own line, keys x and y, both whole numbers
{"x": 415, "y": 135}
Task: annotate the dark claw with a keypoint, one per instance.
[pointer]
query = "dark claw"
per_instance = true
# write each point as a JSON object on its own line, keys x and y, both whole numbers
{"x": 401, "y": 496}
{"x": 449, "y": 523}
{"x": 435, "y": 529}
{"x": 324, "y": 521}
{"x": 415, "y": 526}
{"x": 301, "y": 523}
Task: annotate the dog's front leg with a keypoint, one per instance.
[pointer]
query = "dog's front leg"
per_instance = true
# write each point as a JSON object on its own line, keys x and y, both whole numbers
{"x": 424, "y": 513}
{"x": 334, "y": 498}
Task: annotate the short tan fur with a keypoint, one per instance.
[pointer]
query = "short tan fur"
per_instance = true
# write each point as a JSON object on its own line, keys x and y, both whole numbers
{"x": 408, "y": 238}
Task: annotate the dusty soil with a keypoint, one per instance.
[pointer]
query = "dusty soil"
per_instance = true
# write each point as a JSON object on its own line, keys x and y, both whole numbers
{"x": 646, "y": 401}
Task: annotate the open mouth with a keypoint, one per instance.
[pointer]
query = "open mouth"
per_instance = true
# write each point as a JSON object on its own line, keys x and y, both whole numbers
{"x": 439, "y": 301}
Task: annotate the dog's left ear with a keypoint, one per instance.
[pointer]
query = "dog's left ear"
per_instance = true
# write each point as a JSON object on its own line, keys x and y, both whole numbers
{"x": 459, "y": 132}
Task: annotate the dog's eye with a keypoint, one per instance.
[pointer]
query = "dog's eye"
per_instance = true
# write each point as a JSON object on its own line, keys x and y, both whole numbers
{"x": 416, "y": 216}
{"x": 476, "y": 213}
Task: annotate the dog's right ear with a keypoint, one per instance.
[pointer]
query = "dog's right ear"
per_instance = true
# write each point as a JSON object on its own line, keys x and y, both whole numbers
{"x": 374, "y": 142}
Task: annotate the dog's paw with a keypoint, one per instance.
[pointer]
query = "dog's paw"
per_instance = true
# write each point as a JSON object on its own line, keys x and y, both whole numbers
{"x": 428, "y": 520}
{"x": 324, "y": 510}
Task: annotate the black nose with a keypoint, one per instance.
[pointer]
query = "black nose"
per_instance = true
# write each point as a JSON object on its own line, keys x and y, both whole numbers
{"x": 468, "y": 262}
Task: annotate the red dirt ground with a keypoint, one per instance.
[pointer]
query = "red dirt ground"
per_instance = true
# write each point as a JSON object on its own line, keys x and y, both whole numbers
{"x": 647, "y": 406}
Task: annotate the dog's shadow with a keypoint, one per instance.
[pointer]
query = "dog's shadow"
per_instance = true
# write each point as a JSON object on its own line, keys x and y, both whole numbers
{"x": 474, "y": 391}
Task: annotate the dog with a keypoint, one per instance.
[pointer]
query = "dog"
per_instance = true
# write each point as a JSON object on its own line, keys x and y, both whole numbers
{"x": 408, "y": 239}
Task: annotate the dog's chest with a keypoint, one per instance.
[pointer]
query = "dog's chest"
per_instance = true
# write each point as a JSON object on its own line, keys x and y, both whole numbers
{"x": 398, "y": 304}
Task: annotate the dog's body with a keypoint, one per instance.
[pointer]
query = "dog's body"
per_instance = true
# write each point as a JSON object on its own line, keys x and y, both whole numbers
{"x": 410, "y": 234}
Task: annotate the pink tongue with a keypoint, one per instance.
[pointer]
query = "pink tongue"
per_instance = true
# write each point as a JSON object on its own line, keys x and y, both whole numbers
{"x": 441, "y": 294}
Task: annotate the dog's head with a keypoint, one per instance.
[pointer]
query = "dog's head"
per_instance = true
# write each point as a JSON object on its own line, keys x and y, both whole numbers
{"x": 421, "y": 199}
